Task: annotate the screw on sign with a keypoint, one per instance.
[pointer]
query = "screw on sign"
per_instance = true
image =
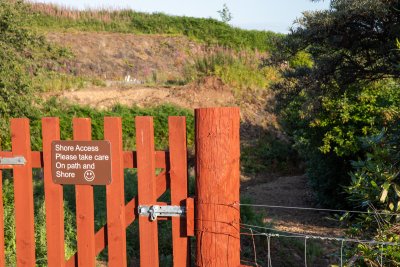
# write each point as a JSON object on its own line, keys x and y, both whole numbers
{"x": 81, "y": 162}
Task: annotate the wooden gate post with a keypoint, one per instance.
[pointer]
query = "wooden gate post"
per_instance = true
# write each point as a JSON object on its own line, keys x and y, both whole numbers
{"x": 217, "y": 187}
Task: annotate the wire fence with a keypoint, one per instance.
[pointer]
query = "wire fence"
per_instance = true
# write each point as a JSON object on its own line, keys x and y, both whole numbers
{"x": 379, "y": 212}
{"x": 269, "y": 233}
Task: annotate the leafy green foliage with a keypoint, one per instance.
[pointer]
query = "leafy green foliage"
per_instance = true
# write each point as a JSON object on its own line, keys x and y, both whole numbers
{"x": 358, "y": 112}
{"x": 301, "y": 59}
{"x": 240, "y": 71}
{"x": 343, "y": 114}
{"x": 24, "y": 55}
{"x": 354, "y": 40}
{"x": 15, "y": 44}
{"x": 375, "y": 186}
{"x": 269, "y": 154}
{"x": 66, "y": 112}
{"x": 375, "y": 181}
{"x": 348, "y": 91}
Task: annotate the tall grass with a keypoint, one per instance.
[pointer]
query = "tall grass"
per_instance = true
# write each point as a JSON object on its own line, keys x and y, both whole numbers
{"x": 51, "y": 81}
{"x": 241, "y": 71}
{"x": 207, "y": 30}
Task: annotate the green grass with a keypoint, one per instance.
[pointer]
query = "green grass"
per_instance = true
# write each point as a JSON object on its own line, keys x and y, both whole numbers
{"x": 206, "y": 30}
{"x": 52, "y": 81}
{"x": 241, "y": 71}
{"x": 160, "y": 115}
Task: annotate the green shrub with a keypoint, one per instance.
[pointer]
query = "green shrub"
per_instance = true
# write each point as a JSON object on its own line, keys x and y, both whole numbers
{"x": 67, "y": 111}
{"x": 240, "y": 71}
{"x": 23, "y": 55}
{"x": 15, "y": 91}
{"x": 270, "y": 154}
{"x": 375, "y": 185}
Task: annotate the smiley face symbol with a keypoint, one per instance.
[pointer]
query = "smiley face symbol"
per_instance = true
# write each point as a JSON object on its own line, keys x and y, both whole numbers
{"x": 89, "y": 175}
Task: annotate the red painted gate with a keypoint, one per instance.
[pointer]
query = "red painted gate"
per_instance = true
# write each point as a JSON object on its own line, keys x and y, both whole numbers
{"x": 216, "y": 226}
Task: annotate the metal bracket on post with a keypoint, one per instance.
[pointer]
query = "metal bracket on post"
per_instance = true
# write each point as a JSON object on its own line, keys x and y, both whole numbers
{"x": 164, "y": 211}
{"x": 13, "y": 161}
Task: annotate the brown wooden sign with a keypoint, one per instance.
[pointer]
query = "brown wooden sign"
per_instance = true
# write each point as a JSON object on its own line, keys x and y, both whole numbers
{"x": 81, "y": 162}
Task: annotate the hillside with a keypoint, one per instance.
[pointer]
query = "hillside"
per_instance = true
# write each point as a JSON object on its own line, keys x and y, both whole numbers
{"x": 156, "y": 66}
{"x": 113, "y": 56}
{"x": 47, "y": 17}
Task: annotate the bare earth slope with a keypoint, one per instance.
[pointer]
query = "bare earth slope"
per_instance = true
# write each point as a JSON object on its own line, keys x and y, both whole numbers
{"x": 112, "y": 56}
{"x": 149, "y": 59}
{"x": 211, "y": 93}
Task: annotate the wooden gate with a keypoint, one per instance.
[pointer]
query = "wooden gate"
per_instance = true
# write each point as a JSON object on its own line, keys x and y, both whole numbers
{"x": 217, "y": 167}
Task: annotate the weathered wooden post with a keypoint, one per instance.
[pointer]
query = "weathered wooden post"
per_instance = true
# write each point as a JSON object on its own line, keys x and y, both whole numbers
{"x": 217, "y": 187}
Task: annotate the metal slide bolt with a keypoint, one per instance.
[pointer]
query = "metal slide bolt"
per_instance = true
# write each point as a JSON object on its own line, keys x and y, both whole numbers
{"x": 154, "y": 212}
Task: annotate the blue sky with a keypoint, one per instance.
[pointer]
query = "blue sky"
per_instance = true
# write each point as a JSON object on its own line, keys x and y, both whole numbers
{"x": 275, "y": 15}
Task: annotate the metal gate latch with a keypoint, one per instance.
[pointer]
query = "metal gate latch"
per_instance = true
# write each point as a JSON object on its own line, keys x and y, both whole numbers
{"x": 164, "y": 211}
{"x": 12, "y": 161}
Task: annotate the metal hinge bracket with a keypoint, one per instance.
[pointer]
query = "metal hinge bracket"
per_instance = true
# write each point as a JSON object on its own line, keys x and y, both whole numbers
{"x": 154, "y": 211}
{"x": 13, "y": 161}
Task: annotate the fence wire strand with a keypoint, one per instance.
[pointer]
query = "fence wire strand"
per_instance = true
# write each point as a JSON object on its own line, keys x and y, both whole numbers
{"x": 254, "y": 247}
{"x": 300, "y": 235}
{"x": 372, "y": 213}
{"x": 285, "y": 234}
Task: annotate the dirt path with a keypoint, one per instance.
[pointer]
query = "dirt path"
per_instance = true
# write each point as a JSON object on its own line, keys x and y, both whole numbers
{"x": 187, "y": 97}
{"x": 292, "y": 191}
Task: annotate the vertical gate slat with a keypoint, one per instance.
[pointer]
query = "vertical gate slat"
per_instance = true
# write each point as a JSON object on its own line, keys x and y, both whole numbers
{"x": 53, "y": 197}
{"x": 2, "y": 256}
{"x": 84, "y": 204}
{"x": 23, "y": 193}
{"x": 115, "y": 195}
{"x": 179, "y": 188}
{"x": 148, "y": 236}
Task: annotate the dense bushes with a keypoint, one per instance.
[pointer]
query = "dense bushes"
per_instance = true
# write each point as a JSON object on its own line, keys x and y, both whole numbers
{"x": 15, "y": 47}
{"x": 66, "y": 112}
{"x": 375, "y": 185}
{"x": 24, "y": 55}
{"x": 350, "y": 91}
{"x": 343, "y": 111}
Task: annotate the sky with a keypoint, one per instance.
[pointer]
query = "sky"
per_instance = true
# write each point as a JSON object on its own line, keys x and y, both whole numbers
{"x": 274, "y": 15}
